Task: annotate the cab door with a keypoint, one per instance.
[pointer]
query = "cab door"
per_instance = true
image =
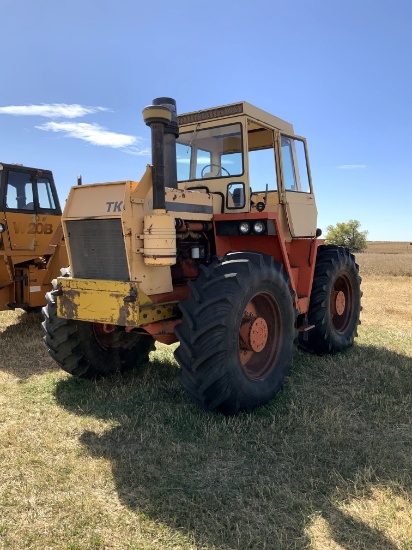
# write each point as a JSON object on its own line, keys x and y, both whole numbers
{"x": 31, "y": 208}
{"x": 296, "y": 186}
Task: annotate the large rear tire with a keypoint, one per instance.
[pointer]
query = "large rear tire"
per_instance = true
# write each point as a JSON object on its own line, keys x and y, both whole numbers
{"x": 237, "y": 333}
{"x": 335, "y": 302}
{"x": 86, "y": 351}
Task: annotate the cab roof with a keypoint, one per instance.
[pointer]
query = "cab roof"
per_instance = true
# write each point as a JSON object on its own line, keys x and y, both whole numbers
{"x": 235, "y": 109}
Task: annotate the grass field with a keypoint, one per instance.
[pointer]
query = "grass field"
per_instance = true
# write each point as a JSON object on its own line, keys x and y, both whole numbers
{"x": 388, "y": 247}
{"x": 130, "y": 463}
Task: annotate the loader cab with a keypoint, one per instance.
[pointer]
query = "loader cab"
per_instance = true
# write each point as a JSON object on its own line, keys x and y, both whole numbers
{"x": 28, "y": 190}
{"x": 252, "y": 160}
{"x": 30, "y": 206}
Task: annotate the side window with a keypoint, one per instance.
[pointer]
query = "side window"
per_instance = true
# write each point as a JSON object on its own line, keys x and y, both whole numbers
{"x": 295, "y": 174}
{"x": 183, "y": 153}
{"x": 262, "y": 170}
{"x": 19, "y": 193}
{"x": 235, "y": 195}
{"x": 301, "y": 162}
{"x": 44, "y": 192}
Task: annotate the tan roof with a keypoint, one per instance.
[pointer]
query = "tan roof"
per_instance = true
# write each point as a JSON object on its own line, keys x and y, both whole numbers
{"x": 235, "y": 109}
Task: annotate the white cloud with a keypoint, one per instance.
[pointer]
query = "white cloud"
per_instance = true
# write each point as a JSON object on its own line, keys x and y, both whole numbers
{"x": 96, "y": 135}
{"x": 351, "y": 166}
{"x": 53, "y": 110}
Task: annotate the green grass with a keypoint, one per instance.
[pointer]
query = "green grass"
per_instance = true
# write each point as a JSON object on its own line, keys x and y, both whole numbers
{"x": 131, "y": 463}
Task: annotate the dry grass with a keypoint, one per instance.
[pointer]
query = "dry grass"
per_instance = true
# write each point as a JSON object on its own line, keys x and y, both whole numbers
{"x": 384, "y": 265}
{"x": 389, "y": 247}
{"x": 387, "y": 302}
{"x": 386, "y": 258}
{"x": 130, "y": 463}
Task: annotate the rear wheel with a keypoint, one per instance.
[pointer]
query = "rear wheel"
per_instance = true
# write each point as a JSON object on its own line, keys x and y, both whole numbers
{"x": 87, "y": 350}
{"x": 237, "y": 333}
{"x": 335, "y": 302}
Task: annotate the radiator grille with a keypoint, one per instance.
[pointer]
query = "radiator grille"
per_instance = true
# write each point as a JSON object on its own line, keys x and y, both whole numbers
{"x": 97, "y": 249}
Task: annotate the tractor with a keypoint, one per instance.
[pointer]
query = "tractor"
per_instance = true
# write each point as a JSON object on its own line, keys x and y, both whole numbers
{"x": 31, "y": 242}
{"x": 216, "y": 248}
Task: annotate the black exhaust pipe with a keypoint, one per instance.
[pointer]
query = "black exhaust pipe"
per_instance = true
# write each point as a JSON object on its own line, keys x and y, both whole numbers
{"x": 159, "y": 118}
{"x": 171, "y": 132}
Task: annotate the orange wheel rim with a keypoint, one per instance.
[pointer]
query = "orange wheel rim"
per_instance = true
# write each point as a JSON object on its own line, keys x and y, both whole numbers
{"x": 260, "y": 336}
{"x": 341, "y": 303}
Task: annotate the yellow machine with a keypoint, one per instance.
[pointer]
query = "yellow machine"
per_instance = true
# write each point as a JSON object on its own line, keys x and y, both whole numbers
{"x": 216, "y": 247}
{"x": 31, "y": 244}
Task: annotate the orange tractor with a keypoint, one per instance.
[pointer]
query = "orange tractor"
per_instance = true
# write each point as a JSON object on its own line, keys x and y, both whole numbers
{"x": 217, "y": 248}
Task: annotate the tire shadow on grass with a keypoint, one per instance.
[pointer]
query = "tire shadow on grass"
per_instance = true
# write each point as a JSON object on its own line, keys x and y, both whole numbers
{"x": 22, "y": 350}
{"x": 340, "y": 430}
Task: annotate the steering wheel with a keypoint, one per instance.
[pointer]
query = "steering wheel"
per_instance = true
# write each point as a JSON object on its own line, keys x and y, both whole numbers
{"x": 210, "y": 166}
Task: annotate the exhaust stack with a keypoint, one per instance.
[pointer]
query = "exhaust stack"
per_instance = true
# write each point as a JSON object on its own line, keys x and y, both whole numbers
{"x": 171, "y": 132}
{"x": 157, "y": 117}
{"x": 159, "y": 233}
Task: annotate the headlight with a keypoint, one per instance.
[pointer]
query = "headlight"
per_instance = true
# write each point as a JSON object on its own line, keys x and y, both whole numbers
{"x": 259, "y": 227}
{"x": 244, "y": 228}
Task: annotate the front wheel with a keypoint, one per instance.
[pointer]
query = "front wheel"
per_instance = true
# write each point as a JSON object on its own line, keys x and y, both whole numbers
{"x": 85, "y": 350}
{"x": 335, "y": 302}
{"x": 237, "y": 333}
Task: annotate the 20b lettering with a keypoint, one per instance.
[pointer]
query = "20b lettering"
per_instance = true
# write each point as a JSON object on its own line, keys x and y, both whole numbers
{"x": 39, "y": 228}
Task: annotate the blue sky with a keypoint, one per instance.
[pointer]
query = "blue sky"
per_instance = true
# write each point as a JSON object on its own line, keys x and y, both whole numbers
{"x": 76, "y": 75}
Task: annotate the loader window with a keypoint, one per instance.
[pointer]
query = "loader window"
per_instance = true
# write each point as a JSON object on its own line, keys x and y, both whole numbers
{"x": 210, "y": 153}
{"x": 45, "y": 195}
{"x": 19, "y": 193}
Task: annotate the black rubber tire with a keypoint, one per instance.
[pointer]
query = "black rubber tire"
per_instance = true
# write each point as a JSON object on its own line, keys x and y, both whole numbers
{"x": 209, "y": 354}
{"x": 30, "y": 309}
{"x": 335, "y": 272}
{"x": 83, "y": 352}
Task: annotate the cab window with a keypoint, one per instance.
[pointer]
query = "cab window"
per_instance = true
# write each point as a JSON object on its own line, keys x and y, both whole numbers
{"x": 295, "y": 173}
{"x": 210, "y": 153}
{"x": 262, "y": 169}
{"x": 45, "y": 195}
{"x": 19, "y": 192}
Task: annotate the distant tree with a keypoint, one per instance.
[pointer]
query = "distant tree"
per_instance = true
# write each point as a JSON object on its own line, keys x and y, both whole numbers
{"x": 347, "y": 234}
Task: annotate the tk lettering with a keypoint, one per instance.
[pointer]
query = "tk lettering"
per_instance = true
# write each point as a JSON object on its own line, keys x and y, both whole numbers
{"x": 114, "y": 206}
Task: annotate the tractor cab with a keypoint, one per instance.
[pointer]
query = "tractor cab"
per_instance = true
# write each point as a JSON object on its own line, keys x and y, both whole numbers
{"x": 252, "y": 160}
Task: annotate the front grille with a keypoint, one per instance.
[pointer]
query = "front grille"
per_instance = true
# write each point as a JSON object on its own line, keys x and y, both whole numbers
{"x": 97, "y": 249}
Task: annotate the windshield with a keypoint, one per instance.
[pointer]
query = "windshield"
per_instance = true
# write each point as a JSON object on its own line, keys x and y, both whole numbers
{"x": 210, "y": 153}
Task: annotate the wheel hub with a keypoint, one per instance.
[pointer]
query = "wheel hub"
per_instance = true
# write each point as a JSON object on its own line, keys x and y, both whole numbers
{"x": 253, "y": 334}
{"x": 338, "y": 302}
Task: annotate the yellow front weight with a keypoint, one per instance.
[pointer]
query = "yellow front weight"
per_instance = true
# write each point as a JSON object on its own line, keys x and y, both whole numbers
{"x": 119, "y": 303}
